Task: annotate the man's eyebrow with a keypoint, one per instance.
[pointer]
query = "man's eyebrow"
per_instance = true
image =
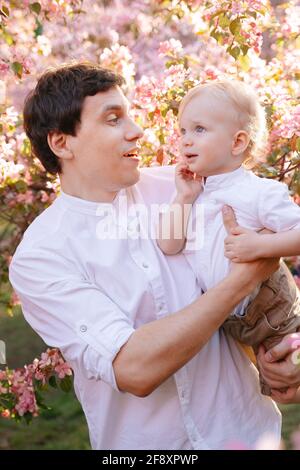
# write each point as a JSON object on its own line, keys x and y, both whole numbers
{"x": 112, "y": 107}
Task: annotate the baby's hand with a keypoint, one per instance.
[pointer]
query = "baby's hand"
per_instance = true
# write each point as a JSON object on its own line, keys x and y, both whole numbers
{"x": 188, "y": 184}
{"x": 243, "y": 245}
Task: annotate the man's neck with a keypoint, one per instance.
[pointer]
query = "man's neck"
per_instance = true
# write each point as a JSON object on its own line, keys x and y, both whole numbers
{"x": 81, "y": 191}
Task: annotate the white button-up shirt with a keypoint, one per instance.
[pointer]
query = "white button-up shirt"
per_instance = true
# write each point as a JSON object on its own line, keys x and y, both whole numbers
{"x": 257, "y": 202}
{"x": 86, "y": 294}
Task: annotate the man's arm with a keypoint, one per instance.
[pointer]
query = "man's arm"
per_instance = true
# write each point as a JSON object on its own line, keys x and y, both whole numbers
{"x": 158, "y": 349}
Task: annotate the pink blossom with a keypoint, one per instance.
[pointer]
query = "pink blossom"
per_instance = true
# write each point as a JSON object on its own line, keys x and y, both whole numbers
{"x": 170, "y": 47}
{"x": 62, "y": 369}
{"x": 4, "y": 68}
{"x": 5, "y": 414}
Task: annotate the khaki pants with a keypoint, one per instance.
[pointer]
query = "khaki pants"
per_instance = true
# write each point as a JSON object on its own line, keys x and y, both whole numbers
{"x": 272, "y": 314}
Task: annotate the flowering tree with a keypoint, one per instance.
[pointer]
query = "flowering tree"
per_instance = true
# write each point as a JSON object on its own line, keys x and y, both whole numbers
{"x": 162, "y": 48}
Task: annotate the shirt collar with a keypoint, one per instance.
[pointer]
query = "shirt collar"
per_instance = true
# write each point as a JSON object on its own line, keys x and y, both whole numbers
{"x": 223, "y": 180}
{"x": 88, "y": 207}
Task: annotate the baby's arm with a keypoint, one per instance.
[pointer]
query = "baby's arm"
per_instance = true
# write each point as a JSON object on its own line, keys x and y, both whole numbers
{"x": 276, "y": 212}
{"x": 246, "y": 245}
{"x": 279, "y": 244}
{"x": 172, "y": 228}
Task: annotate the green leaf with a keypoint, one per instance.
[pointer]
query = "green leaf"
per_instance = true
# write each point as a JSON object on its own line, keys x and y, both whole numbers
{"x": 244, "y": 49}
{"x": 28, "y": 417}
{"x": 39, "y": 29}
{"x": 239, "y": 38}
{"x": 66, "y": 383}
{"x": 17, "y": 68}
{"x": 213, "y": 33}
{"x": 217, "y": 13}
{"x": 253, "y": 14}
{"x": 40, "y": 387}
{"x": 234, "y": 52}
{"x": 224, "y": 21}
{"x": 298, "y": 144}
{"x": 8, "y": 38}
{"x": 244, "y": 62}
{"x": 4, "y": 11}
{"x": 52, "y": 381}
{"x": 21, "y": 186}
{"x": 216, "y": 35}
{"x": 161, "y": 138}
{"x": 235, "y": 26}
{"x": 35, "y": 7}
{"x": 39, "y": 399}
{"x": 164, "y": 109}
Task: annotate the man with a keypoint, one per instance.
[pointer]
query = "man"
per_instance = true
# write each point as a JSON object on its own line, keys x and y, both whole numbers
{"x": 151, "y": 368}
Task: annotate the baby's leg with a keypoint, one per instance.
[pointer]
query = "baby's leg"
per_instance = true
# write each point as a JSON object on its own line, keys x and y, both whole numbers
{"x": 272, "y": 314}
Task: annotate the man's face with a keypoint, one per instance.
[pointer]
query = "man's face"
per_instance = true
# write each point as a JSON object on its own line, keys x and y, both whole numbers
{"x": 105, "y": 145}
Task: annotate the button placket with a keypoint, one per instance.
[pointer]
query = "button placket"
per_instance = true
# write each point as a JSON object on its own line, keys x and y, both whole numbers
{"x": 181, "y": 380}
{"x": 145, "y": 257}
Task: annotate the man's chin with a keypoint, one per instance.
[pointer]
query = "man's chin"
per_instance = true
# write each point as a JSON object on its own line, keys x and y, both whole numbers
{"x": 133, "y": 178}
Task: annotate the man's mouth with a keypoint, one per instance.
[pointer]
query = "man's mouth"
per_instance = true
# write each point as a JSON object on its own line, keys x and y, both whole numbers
{"x": 132, "y": 154}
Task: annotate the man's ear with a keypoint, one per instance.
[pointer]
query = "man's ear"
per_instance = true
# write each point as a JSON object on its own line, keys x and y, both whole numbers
{"x": 58, "y": 143}
{"x": 240, "y": 142}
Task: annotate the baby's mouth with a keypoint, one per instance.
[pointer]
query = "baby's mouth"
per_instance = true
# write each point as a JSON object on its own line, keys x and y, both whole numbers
{"x": 189, "y": 156}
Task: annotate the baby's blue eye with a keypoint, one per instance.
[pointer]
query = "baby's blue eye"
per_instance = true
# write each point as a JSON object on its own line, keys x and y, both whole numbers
{"x": 200, "y": 128}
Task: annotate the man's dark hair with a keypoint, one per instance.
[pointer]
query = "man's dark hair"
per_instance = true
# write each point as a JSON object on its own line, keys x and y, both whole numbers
{"x": 56, "y": 104}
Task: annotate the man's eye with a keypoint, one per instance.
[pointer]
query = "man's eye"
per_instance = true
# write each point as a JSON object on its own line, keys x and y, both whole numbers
{"x": 199, "y": 129}
{"x": 182, "y": 131}
{"x": 113, "y": 118}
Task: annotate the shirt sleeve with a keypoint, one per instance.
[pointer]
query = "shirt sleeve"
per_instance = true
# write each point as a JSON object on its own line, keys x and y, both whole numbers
{"x": 276, "y": 210}
{"x": 70, "y": 313}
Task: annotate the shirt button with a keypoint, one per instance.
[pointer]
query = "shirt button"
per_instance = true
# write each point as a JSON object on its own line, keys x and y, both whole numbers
{"x": 145, "y": 265}
{"x": 83, "y": 328}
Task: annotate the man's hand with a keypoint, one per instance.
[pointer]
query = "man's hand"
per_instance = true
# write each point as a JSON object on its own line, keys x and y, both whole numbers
{"x": 253, "y": 272}
{"x": 280, "y": 368}
{"x": 188, "y": 184}
{"x": 243, "y": 245}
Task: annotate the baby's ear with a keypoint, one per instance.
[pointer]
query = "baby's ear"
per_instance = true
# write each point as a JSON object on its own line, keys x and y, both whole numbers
{"x": 240, "y": 142}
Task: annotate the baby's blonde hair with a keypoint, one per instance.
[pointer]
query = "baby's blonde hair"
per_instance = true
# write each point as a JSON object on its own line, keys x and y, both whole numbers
{"x": 250, "y": 113}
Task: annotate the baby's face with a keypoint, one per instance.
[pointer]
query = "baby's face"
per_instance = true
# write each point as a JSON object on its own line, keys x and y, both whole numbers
{"x": 207, "y": 126}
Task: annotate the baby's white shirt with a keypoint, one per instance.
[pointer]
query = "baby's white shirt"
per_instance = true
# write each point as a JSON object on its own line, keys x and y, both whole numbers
{"x": 257, "y": 203}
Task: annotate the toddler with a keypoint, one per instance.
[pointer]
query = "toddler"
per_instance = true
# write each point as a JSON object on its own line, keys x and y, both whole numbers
{"x": 223, "y": 127}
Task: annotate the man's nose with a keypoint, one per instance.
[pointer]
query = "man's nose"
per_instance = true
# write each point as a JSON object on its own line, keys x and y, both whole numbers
{"x": 134, "y": 131}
